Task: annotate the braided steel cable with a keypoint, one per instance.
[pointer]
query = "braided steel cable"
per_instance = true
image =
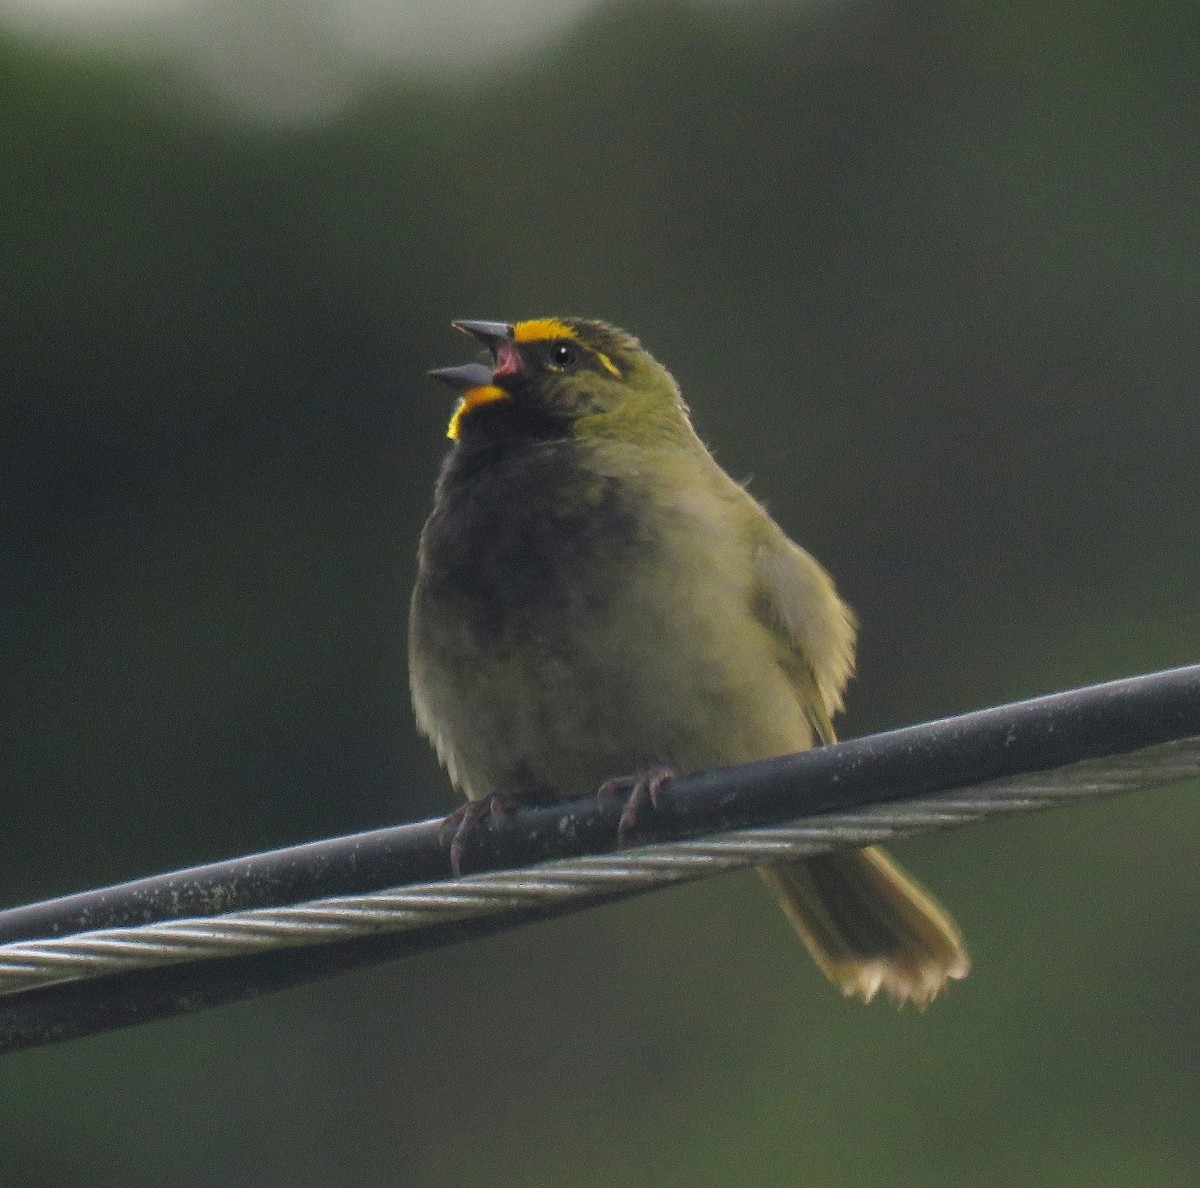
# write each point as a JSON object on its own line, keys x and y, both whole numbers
{"x": 34, "y": 964}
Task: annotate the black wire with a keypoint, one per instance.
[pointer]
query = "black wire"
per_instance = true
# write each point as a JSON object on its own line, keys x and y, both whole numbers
{"x": 1029, "y": 736}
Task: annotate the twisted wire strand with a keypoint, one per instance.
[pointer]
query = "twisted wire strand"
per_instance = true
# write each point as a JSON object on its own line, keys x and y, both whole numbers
{"x": 31, "y": 964}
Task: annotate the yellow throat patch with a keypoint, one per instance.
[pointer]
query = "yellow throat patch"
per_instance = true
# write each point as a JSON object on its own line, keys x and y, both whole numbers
{"x": 473, "y": 398}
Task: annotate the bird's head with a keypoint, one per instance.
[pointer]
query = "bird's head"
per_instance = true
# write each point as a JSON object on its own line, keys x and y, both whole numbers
{"x": 561, "y": 378}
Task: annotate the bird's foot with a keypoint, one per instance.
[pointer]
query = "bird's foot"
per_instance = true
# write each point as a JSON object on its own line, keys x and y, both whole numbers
{"x": 463, "y": 823}
{"x": 643, "y": 787}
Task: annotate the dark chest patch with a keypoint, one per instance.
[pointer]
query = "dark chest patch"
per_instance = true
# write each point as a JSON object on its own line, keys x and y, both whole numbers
{"x": 527, "y": 537}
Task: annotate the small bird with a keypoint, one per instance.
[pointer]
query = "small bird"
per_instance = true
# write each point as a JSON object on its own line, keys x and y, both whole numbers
{"x": 599, "y": 605}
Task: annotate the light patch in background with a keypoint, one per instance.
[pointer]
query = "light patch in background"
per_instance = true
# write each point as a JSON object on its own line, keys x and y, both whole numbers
{"x": 298, "y": 59}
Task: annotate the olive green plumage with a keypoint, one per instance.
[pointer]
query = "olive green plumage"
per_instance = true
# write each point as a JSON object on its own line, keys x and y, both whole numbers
{"x": 597, "y": 597}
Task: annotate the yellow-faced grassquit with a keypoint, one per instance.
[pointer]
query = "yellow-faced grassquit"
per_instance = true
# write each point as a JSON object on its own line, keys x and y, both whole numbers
{"x": 597, "y": 598}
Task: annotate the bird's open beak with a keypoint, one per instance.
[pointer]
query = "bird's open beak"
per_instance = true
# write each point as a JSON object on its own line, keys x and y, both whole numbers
{"x": 499, "y": 338}
{"x": 465, "y": 378}
{"x": 474, "y": 382}
{"x": 489, "y": 333}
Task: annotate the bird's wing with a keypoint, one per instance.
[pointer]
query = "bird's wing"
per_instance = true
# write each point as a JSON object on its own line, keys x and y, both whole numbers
{"x": 796, "y": 599}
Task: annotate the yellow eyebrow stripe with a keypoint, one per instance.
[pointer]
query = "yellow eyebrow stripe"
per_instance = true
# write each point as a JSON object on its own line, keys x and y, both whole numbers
{"x": 608, "y": 363}
{"x": 540, "y": 329}
{"x": 545, "y": 329}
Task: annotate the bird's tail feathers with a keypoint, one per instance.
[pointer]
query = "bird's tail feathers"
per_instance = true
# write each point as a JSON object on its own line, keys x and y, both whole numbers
{"x": 869, "y": 926}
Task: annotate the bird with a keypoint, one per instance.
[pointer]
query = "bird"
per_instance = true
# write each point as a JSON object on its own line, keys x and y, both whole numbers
{"x": 599, "y": 605}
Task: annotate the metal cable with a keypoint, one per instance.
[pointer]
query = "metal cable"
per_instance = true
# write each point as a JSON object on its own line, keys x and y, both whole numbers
{"x": 31, "y": 964}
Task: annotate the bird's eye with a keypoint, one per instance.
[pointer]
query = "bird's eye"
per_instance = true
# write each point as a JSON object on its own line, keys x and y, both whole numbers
{"x": 562, "y": 355}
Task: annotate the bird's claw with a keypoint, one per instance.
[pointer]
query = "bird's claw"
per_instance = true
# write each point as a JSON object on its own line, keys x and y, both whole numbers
{"x": 643, "y": 787}
{"x": 461, "y": 824}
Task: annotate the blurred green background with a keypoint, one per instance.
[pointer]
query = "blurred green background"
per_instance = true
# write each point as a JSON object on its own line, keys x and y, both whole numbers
{"x": 927, "y": 273}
